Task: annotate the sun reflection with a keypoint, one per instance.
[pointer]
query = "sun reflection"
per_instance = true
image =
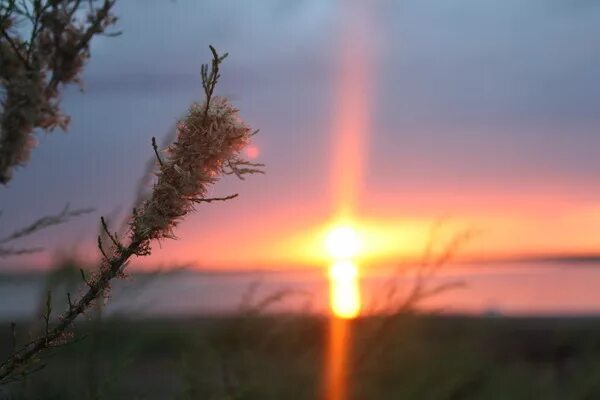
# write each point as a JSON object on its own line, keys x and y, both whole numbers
{"x": 343, "y": 243}
{"x": 345, "y": 292}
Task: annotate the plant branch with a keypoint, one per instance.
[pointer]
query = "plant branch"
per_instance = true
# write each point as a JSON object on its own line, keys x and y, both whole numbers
{"x": 210, "y": 78}
{"x": 15, "y": 48}
{"x": 155, "y": 147}
{"x": 46, "y": 222}
{"x": 182, "y": 181}
{"x": 211, "y": 199}
{"x": 9, "y": 252}
{"x": 32, "y": 68}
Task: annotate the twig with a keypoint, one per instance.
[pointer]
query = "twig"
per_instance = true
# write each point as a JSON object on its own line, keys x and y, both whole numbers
{"x": 84, "y": 278}
{"x": 248, "y": 168}
{"x": 211, "y": 199}
{"x": 48, "y": 312}
{"x": 113, "y": 238}
{"x": 155, "y": 147}
{"x": 38, "y": 225}
{"x": 101, "y": 248}
{"x": 46, "y": 222}
{"x": 419, "y": 290}
{"x": 209, "y": 80}
{"x": 15, "y": 48}
{"x": 9, "y": 252}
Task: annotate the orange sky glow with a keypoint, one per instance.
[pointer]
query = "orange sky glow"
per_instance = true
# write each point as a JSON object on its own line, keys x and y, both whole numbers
{"x": 514, "y": 207}
{"x": 398, "y": 120}
{"x": 394, "y": 226}
{"x": 391, "y": 234}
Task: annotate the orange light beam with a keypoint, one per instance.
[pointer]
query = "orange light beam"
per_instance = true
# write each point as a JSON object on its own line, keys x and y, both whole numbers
{"x": 337, "y": 359}
{"x": 349, "y": 138}
{"x": 351, "y": 117}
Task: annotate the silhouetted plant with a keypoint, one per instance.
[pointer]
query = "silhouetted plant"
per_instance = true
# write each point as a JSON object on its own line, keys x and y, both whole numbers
{"x": 398, "y": 304}
{"x": 44, "y": 45}
{"x": 42, "y": 223}
{"x": 208, "y": 145}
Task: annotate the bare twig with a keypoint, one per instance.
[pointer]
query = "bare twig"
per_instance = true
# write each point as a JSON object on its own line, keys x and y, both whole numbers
{"x": 84, "y": 278}
{"x": 10, "y": 252}
{"x": 46, "y": 222}
{"x": 155, "y": 147}
{"x": 113, "y": 237}
{"x": 240, "y": 168}
{"x": 149, "y": 172}
{"x": 48, "y": 312}
{"x": 211, "y": 199}
{"x": 210, "y": 78}
{"x": 250, "y": 304}
{"x": 420, "y": 289}
{"x": 36, "y": 226}
{"x": 101, "y": 248}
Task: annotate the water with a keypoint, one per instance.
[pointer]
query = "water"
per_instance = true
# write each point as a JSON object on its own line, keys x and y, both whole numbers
{"x": 511, "y": 289}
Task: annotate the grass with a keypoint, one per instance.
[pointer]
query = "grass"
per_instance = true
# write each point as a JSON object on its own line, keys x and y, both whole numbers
{"x": 282, "y": 357}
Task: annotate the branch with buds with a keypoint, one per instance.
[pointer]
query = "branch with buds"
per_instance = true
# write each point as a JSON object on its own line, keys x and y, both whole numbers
{"x": 209, "y": 139}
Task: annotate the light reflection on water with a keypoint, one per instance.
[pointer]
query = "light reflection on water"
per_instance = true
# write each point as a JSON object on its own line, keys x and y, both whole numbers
{"x": 510, "y": 290}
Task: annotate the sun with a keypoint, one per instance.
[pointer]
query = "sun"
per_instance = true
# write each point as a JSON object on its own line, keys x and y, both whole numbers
{"x": 343, "y": 243}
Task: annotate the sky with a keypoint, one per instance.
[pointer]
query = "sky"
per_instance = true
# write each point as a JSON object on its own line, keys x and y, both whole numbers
{"x": 482, "y": 114}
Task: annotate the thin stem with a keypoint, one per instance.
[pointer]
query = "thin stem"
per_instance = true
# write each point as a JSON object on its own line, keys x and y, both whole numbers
{"x": 209, "y": 81}
{"x": 15, "y": 48}
{"x": 155, "y": 147}
{"x": 96, "y": 288}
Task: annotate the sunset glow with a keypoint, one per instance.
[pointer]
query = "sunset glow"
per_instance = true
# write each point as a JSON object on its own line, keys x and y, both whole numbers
{"x": 379, "y": 133}
{"x": 317, "y": 200}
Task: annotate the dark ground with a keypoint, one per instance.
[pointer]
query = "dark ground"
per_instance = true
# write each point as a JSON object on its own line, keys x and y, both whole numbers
{"x": 282, "y": 357}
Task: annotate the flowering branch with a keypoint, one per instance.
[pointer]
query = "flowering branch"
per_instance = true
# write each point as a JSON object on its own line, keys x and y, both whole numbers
{"x": 210, "y": 137}
{"x": 31, "y": 70}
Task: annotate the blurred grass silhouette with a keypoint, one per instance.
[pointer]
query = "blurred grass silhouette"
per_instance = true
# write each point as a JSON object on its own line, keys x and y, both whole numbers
{"x": 282, "y": 356}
